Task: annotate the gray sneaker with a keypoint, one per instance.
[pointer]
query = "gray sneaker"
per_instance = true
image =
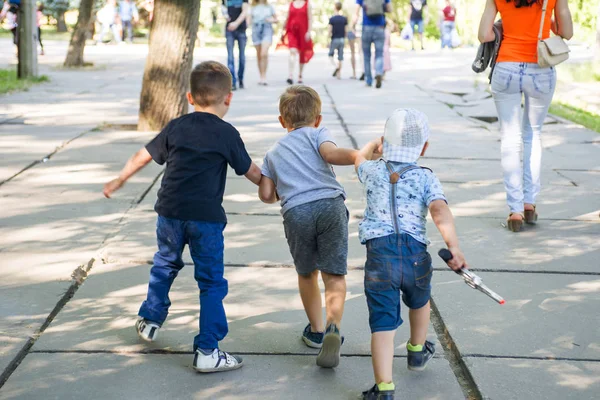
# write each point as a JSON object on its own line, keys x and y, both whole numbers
{"x": 329, "y": 356}
{"x": 418, "y": 360}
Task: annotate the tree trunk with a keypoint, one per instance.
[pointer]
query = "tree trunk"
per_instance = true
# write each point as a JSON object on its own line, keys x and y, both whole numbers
{"x": 28, "y": 66}
{"x": 61, "y": 25}
{"x": 77, "y": 44}
{"x": 169, "y": 62}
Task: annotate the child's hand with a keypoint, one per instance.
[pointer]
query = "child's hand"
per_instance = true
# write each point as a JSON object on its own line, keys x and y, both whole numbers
{"x": 112, "y": 186}
{"x": 458, "y": 259}
{"x": 378, "y": 152}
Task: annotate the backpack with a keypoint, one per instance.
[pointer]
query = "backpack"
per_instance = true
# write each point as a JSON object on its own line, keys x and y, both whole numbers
{"x": 373, "y": 8}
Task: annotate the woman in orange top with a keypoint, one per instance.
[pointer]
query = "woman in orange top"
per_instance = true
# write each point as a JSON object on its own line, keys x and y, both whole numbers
{"x": 517, "y": 74}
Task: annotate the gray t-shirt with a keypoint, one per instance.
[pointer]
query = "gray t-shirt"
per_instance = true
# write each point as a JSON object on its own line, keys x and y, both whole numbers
{"x": 298, "y": 170}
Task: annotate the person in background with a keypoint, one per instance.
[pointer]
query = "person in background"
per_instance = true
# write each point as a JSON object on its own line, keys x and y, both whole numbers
{"x": 518, "y": 74}
{"x": 107, "y": 16}
{"x": 10, "y": 11}
{"x": 128, "y": 13}
{"x": 39, "y": 15}
{"x": 235, "y": 12}
{"x": 337, "y": 33}
{"x": 354, "y": 41}
{"x": 447, "y": 25}
{"x": 262, "y": 17}
{"x": 418, "y": 19}
{"x": 297, "y": 37}
{"x": 373, "y": 33}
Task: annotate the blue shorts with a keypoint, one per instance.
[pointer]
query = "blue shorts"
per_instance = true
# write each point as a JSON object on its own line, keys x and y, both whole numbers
{"x": 262, "y": 33}
{"x": 418, "y": 22}
{"x": 395, "y": 263}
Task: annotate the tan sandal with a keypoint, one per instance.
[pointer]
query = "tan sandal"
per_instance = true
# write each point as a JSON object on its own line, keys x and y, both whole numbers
{"x": 531, "y": 216}
{"x": 515, "y": 225}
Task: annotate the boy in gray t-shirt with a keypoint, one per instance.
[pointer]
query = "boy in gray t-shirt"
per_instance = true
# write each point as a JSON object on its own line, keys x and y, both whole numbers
{"x": 297, "y": 170}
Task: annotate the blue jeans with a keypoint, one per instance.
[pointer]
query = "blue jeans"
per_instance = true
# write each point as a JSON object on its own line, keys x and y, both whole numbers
{"x": 127, "y": 31}
{"x": 205, "y": 240}
{"x": 447, "y": 28}
{"x": 231, "y": 37}
{"x": 395, "y": 263}
{"x": 510, "y": 83}
{"x": 373, "y": 35}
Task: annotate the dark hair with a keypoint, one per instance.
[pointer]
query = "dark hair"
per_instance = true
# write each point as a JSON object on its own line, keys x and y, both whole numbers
{"x": 210, "y": 83}
{"x": 523, "y": 3}
{"x": 338, "y": 6}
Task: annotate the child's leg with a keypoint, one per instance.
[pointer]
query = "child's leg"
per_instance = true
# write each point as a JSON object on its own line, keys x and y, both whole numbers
{"x": 382, "y": 353}
{"x": 167, "y": 264}
{"x": 311, "y": 299}
{"x": 335, "y": 296}
{"x": 206, "y": 247}
{"x": 419, "y": 323}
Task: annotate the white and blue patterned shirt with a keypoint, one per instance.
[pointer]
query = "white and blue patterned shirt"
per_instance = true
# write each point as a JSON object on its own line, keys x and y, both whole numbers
{"x": 414, "y": 192}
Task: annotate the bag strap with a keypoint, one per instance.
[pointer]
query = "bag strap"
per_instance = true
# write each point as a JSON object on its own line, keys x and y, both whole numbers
{"x": 544, "y": 7}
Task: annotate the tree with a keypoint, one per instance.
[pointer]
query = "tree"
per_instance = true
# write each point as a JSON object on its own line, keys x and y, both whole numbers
{"x": 169, "y": 62}
{"x": 58, "y": 8}
{"x": 598, "y": 33}
{"x": 28, "y": 65}
{"x": 82, "y": 28}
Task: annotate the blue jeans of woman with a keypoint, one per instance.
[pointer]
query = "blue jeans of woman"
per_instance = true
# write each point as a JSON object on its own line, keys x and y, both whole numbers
{"x": 241, "y": 38}
{"x": 512, "y": 84}
{"x": 447, "y": 28}
{"x": 205, "y": 240}
{"x": 373, "y": 35}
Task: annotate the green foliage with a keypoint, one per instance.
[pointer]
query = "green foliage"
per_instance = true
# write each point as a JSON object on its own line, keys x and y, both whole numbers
{"x": 10, "y": 83}
{"x": 55, "y": 7}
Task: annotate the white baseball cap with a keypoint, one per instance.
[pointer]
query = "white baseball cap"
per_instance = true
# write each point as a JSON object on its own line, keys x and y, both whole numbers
{"x": 406, "y": 132}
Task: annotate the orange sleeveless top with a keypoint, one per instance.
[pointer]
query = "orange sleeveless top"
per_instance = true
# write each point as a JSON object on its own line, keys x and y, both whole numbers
{"x": 521, "y": 27}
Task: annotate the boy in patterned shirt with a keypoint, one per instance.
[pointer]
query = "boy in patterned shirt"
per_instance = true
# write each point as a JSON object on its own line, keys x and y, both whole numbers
{"x": 399, "y": 194}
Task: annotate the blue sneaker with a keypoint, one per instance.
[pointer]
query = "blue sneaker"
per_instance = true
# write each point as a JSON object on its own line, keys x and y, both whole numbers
{"x": 312, "y": 339}
{"x": 329, "y": 356}
{"x": 418, "y": 360}
{"x": 375, "y": 394}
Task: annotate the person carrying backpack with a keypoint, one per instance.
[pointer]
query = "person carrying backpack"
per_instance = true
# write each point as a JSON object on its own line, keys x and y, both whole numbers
{"x": 373, "y": 33}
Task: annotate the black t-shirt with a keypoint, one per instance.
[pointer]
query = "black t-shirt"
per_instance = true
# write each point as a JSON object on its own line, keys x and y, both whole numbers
{"x": 338, "y": 26}
{"x": 416, "y": 7}
{"x": 197, "y": 149}
{"x": 234, "y": 9}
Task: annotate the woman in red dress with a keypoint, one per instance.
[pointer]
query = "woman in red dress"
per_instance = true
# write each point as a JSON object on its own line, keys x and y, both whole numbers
{"x": 297, "y": 36}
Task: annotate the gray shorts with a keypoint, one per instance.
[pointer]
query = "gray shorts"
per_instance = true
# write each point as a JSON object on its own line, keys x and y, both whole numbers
{"x": 337, "y": 44}
{"x": 317, "y": 233}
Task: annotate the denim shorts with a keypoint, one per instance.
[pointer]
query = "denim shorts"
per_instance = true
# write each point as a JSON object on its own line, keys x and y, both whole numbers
{"x": 420, "y": 23}
{"x": 395, "y": 263}
{"x": 317, "y": 234}
{"x": 262, "y": 34}
{"x": 337, "y": 44}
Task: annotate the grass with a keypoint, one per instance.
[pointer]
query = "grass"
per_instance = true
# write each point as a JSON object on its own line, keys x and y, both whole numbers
{"x": 577, "y": 115}
{"x": 10, "y": 83}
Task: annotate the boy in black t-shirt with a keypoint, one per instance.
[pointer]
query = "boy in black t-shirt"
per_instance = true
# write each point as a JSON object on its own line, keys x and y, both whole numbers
{"x": 197, "y": 149}
{"x": 337, "y": 31}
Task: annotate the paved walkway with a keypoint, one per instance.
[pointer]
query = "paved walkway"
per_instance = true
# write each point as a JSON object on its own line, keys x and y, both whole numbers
{"x": 78, "y": 341}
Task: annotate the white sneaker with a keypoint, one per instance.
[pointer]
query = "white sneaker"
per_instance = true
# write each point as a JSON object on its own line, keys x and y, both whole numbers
{"x": 216, "y": 361}
{"x": 147, "y": 330}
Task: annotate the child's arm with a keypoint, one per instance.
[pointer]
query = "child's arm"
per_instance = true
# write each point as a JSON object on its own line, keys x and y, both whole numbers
{"x": 443, "y": 219}
{"x": 253, "y": 174}
{"x": 138, "y": 161}
{"x": 371, "y": 149}
{"x": 336, "y": 155}
{"x": 267, "y": 192}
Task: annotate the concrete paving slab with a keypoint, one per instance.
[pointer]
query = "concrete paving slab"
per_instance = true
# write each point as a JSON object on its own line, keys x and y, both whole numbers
{"x": 563, "y": 246}
{"x": 110, "y": 376}
{"x": 263, "y": 307}
{"x": 533, "y": 379}
{"x": 544, "y": 315}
